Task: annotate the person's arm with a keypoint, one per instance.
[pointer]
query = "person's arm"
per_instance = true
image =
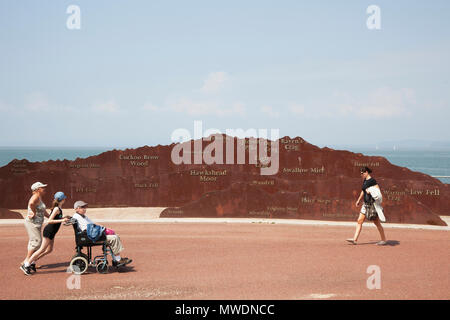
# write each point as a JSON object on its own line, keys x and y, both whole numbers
{"x": 32, "y": 204}
{"x": 359, "y": 198}
{"x": 80, "y": 221}
{"x": 46, "y": 214}
{"x": 52, "y": 219}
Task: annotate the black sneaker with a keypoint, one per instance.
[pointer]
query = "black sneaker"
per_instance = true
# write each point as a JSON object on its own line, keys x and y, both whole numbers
{"x": 122, "y": 262}
{"x": 33, "y": 267}
{"x": 25, "y": 270}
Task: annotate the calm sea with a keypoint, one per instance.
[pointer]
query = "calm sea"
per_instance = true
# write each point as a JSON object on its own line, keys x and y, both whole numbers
{"x": 43, "y": 154}
{"x": 434, "y": 163}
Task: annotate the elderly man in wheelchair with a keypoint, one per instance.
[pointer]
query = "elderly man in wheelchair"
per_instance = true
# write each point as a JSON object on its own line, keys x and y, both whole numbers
{"x": 88, "y": 234}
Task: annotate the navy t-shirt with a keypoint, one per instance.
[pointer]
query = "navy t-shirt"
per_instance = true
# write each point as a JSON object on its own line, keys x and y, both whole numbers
{"x": 367, "y": 184}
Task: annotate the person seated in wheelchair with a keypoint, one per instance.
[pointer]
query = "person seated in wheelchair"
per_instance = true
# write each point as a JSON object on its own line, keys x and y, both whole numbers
{"x": 112, "y": 240}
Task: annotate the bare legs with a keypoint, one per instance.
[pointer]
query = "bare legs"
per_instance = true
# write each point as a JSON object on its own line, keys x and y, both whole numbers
{"x": 29, "y": 254}
{"x": 360, "y": 222}
{"x": 380, "y": 228}
{"x": 46, "y": 248}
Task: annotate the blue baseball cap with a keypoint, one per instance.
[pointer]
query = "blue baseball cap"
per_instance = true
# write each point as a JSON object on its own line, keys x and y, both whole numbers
{"x": 60, "y": 196}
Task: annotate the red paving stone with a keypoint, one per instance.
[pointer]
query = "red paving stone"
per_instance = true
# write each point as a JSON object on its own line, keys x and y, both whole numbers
{"x": 238, "y": 261}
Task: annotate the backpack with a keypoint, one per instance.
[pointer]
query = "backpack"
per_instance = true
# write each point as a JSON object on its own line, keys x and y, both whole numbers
{"x": 94, "y": 232}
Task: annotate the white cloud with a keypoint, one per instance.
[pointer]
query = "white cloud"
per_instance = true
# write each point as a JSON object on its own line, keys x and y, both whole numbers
{"x": 187, "y": 105}
{"x": 238, "y": 108}
{"x": 268, "y": 110}
{"x": 148, "y": 106}
{"x": 5, "y": 107}
{"x": 37, "y": 102}
{"x": 110, "y": 106}
{"x": 297, "y": 109}
{"x": 214, "y": 82}
{"x": 203, "y": 103}
{"x": 203, "y": 107}
{"x": 380, "y": 103}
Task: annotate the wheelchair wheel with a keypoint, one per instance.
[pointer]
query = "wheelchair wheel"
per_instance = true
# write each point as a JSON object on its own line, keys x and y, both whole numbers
{"x": 81, "y": 255}
{"x": 79, "y": 265}
{"x": 102, "y": 267}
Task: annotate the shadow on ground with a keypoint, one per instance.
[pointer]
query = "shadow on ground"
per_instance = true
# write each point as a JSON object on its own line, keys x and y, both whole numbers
{"x": 53, "y": 265}
{"x": 48, "y": 269}
{"x": 391, "y": 243}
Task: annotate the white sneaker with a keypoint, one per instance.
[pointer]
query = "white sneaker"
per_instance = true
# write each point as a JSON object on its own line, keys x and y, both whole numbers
{"x": 381, "y": 243}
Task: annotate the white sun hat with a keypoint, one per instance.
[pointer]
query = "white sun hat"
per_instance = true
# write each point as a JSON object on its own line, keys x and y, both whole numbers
{"x": 37, "y": 185}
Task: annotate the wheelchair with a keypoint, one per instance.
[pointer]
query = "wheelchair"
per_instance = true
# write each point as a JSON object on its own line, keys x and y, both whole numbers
{"x": 81, "y": 261}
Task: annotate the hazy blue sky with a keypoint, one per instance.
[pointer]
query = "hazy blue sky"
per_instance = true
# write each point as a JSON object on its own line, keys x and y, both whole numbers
{"x": 138, "y": 70}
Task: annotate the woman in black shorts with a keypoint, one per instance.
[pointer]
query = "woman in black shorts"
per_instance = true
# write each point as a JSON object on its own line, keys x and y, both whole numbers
{"x": 52, "y": 227}
{"x": 368, "y": 182}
